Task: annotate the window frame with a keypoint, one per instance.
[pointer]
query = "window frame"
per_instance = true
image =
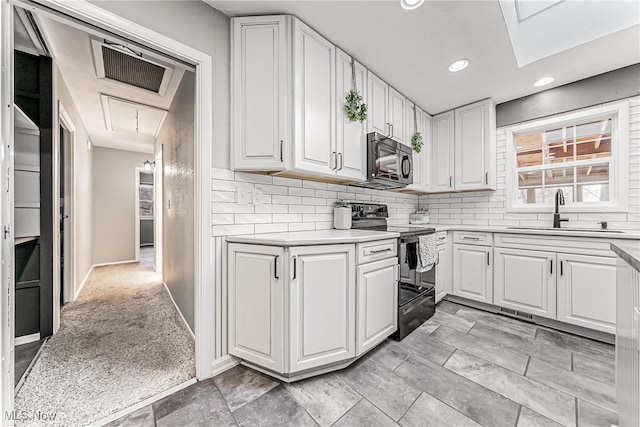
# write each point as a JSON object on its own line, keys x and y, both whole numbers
{"x": 618, "y": 162}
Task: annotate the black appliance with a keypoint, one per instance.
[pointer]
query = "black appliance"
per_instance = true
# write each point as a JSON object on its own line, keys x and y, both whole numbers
{"x": 389, "y": 163}
{"x": 416, "y": 291}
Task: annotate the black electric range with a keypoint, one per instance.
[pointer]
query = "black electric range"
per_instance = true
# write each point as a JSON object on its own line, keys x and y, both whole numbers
{"x": 416, "y": 290}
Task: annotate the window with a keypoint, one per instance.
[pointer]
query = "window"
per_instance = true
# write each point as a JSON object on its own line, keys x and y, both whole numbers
{"x": 582, "y": 154}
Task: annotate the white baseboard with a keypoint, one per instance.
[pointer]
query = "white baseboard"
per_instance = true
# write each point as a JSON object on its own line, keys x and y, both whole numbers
{"x": 223, "y": 364}
{"x": 144, "y": 403}
{"x": 178, "y": 310}
{"x": 84, "y": 282}
{"x": 26, "y": 339}
{"x": 115, "y": 263}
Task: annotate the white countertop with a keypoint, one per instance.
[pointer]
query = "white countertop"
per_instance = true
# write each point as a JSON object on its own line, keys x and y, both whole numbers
{"x": 318, "y": 237}
{"x": 624, "y": 235}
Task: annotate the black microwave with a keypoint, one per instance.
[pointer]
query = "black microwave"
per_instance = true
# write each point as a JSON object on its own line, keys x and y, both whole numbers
{"x": 389, "y": 163}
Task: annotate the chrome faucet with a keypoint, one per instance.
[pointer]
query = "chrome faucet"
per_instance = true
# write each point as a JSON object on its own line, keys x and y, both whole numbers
{"x": 556, "y": 214}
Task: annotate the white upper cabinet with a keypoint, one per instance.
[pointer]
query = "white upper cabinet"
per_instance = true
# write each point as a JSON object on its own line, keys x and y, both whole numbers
{"x": 378, "y": 95}
{"x": 351, "y": 140}
{"x": 427, "y": 152}
{"x": 416, "y": 121}
{"x": 314, "y": 101}
{"x": 475, "y": 146}
{"x": 442, "y": 162}
{"x": 259, "y": 85}
{"x": 397, "y": 116}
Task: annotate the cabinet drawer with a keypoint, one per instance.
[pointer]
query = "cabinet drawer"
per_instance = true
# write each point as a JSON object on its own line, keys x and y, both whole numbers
{"x": 473, "y": 238}
{"x": 441, "y": 238}
{"x": 377, "y": 250}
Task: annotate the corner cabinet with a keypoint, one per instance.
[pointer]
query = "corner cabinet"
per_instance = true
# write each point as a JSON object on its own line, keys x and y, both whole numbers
{"x": 260, "y": 88}
{"x": 464, "y": 148}
{"x": 322, "y": 306}
{"x": 475, "y": 147}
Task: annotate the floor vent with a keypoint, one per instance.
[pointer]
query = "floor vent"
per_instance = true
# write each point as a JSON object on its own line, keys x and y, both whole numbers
{"x": 515, "y": 313}
{"x": 122, "y": 64}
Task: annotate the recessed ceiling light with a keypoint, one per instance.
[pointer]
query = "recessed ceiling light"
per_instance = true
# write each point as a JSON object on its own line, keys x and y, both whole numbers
{"x": 459, "y": 65}
{"x": 543, "y": 81}
{"x": 410, "y": 4}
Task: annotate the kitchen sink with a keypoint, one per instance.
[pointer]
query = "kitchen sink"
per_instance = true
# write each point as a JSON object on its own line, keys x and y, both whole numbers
{"x": 590, "y": 230}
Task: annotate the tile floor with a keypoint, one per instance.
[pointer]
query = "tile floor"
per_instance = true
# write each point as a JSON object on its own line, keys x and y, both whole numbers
{"x": 464, "y": 367}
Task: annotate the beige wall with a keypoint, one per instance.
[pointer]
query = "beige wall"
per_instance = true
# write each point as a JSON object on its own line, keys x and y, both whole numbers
{"x": 198, "y": 25}
{"x": 177, "y": 140}
{"x": 82, "y": 182}
{"x": 114, "y": 188}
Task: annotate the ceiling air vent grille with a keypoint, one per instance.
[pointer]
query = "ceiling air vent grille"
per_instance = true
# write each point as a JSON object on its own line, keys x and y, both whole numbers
{"x": 121, "y": 64}
{"x": 132, "y": 70}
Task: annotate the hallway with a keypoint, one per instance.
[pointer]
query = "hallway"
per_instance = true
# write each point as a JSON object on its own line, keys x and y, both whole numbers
{"x": 120, "y": 342}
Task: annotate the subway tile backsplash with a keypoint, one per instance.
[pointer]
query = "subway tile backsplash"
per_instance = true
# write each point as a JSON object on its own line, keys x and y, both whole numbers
{"x": 245, "y": 203}
{"x": 489, "y": 207}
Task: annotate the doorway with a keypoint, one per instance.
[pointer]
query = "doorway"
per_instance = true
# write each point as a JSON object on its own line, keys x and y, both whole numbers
{"x": 66, "y": 205}
{"x": 78, "y": 13}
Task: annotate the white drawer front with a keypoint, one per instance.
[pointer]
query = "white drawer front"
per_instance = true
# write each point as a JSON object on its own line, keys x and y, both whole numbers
{"x": 473, "y": 238}
{"x": 441, "y": 237}
{"x": 377, "y": 250}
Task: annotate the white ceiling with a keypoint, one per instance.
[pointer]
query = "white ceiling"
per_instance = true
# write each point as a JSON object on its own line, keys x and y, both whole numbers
{"x": 412, "y": 50}
{"x": 71, "y": 50}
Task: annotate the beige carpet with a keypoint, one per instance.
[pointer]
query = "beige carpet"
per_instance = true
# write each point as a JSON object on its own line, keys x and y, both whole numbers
{"x": 121, "y": 342}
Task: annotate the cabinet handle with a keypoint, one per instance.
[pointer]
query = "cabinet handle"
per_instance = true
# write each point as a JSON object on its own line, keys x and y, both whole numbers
{"x": 295, "y": 267}
{"x": 341, "y": 161}
{"x": 488, "y": 260}
{"x": 551, "y": 263}
{"x": 486, "y": 177}
{"x": 389, "y": 127}
{"x": 391, "y": 130}
{"x": 470, "y": 238}
{"x": 438, "y": 258}
{"x": 275, "y": 267}
{"x": 561, "y": 267}
{"x": 334, "y": 160}
{"x": 379, "y": 251}
{"x": 451, "y": 181}
{"x": 282, "y": 150}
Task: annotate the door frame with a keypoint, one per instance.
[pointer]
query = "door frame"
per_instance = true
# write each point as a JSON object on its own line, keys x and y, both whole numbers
{"x": 158, "y": 206}
{"x": 136, "y": 214}
{"x": 68, "y": 286}
{"x": 93, "y": 15}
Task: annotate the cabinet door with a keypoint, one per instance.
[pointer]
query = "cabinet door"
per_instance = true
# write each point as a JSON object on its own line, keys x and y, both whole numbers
{"x": 397, "y": 113}
{"x": 587, "y": 291}
{"x": 259, "y": 90}
{"x": 256, "y": 304}
{"x": 378, "y": 96}
{"x": 442, "y": 160}
{"x": 314, "y": 101}
{"x": 443, "y": 273}
{"x": 415, "y": 123}
{"x": 427, "y": 152}
{"x": 322, "y": 306}
{"x": 351, "y": 144}
{"x": 377, "y": 293}
{"x": 526, "y": 281}
{"x": 472, "y": 272}
{"x": 475, "y": 154}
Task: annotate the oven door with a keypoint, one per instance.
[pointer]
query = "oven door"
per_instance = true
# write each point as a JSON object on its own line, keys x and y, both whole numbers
{"x": 409, "y": 275}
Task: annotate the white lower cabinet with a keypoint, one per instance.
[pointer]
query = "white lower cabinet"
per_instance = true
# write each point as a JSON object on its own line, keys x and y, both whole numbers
{"x": 587, "y": 291}
{"x": 525, "y": 281}
{"x": 443, "y": 272}
{"x": 472, "y": 272}
{"x": 377, "y": 291}
{"x": 256, "y": 304}
{"x": 322, "y": 306}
